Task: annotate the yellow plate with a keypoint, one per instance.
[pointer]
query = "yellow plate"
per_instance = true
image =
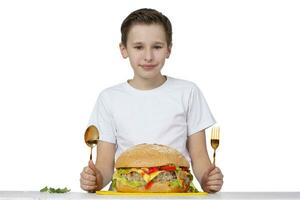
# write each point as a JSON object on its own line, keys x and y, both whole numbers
{"x": 152, "y": 193}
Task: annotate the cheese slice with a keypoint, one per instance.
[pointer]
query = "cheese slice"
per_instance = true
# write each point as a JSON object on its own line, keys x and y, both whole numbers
{"x": 147, "y": 177}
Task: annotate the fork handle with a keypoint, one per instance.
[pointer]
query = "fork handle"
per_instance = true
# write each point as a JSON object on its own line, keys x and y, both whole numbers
{"x": 214, "y": 158}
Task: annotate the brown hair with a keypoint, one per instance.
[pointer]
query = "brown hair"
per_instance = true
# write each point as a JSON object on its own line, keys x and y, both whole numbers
{"x": 146, "y": 16}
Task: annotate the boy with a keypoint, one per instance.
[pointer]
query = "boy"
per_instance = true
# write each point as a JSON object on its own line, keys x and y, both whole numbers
{"x": 150, "y": 108}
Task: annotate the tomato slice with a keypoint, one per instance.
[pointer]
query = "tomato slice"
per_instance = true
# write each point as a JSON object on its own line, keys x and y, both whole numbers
{"x": 184, "y": 168}
{"x": 152, "y": 169}
{"x": 168, "y": 168}
{"x": 149, "y": 185}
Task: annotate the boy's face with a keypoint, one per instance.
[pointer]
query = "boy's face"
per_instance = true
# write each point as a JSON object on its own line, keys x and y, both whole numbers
{"x": 147, "y": 50}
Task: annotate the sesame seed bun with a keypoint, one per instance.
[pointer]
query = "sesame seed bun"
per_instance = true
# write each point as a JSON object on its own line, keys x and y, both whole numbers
{"x": 150, "y": 155}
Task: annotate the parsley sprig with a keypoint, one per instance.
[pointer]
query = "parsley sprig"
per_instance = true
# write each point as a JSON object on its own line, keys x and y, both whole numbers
{"x": 53, "y": 190}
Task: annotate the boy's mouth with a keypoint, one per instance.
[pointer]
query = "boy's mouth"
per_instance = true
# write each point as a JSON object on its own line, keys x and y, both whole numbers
{"x": 148, "y": 67}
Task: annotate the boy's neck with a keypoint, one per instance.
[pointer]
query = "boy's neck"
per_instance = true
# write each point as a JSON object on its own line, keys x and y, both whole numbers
{"x": 147, "y": 84}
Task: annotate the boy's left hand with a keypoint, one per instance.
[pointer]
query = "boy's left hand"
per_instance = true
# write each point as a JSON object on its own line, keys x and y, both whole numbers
{"x": 212, "y": 180}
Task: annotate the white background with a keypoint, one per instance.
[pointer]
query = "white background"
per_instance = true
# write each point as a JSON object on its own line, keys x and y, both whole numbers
{"x": 56, "y": 56}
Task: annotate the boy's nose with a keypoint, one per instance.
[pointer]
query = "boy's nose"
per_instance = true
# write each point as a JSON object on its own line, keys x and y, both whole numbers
{"x": 148, "y": 55}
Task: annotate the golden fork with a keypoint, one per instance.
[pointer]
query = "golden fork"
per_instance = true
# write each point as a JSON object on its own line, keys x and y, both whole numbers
{"x": 215, "y": 138}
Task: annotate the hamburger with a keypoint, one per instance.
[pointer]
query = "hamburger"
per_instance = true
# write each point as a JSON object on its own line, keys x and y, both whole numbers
{"x": 152, "y": 168}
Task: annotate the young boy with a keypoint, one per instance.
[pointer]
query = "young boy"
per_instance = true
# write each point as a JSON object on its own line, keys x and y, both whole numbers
{"x": 151, "y": 107}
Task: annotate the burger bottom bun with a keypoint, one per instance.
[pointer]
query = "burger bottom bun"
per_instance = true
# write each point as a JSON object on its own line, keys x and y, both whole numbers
{"x": 156, "y": 187}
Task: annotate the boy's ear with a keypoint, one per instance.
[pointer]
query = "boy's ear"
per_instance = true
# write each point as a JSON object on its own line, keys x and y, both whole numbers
{"x": 169, "y": 51}
{"x": 123, "y": 50}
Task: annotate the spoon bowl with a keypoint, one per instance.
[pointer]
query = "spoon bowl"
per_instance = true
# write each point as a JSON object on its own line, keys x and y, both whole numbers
{"x": 91, "y": 137}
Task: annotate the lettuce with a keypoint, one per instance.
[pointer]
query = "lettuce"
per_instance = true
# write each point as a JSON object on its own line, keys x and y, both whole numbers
{"x": 114, "y": 184}
{"x": 192, "y": 188}
{"x": 120, "y": 172}
{"x": 124, "y": 181}
{"x": 175, "y": 183}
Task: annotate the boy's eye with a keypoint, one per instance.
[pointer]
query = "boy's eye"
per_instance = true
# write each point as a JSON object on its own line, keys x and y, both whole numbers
{"x": 157, "y": 47}
{"x": 138, "y": 47}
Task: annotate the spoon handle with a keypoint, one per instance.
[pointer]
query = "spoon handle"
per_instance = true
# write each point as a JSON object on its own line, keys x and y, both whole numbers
{"x": 91, "y": 157}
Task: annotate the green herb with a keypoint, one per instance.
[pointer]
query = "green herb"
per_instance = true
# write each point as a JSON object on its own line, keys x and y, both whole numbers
{"x": 45, "y": 189}
{"x": 53, "y": 190}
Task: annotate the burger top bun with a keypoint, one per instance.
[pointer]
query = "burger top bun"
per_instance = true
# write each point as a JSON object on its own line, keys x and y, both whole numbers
{"x": 150, "y": 155}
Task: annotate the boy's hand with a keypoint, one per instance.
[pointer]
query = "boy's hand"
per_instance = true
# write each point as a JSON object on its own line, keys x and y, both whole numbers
{"x": 212, "y": 180}
{"x": 90, "y": 178}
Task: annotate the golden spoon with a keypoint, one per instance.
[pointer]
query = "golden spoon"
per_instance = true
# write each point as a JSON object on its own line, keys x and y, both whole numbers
{"x": 91, "y": 137}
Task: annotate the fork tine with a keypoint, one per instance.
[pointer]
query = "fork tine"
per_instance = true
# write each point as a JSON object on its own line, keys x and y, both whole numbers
{"x": 215, "y": 133}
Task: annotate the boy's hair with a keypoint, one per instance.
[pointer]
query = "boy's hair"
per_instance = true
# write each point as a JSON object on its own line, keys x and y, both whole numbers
{"x": 146, "y": 16}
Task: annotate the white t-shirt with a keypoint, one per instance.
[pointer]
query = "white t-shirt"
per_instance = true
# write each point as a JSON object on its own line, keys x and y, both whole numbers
{"x": 165, "y": 115}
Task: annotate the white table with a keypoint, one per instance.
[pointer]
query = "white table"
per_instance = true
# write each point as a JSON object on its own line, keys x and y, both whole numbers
{"x": 33, "y": 195}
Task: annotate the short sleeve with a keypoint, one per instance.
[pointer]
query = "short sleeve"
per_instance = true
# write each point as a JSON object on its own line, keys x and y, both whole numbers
{"x": 199, "y": 116}
{"x": 101, "y": 117}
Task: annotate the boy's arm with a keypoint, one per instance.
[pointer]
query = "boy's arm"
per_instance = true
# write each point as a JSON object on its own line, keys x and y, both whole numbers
{"x": 209, "y": 176}
{"x": 198, "y": 152}
{"x": 105, "y": 162}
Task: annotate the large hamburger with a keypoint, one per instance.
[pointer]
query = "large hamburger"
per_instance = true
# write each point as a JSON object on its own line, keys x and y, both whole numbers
{"x": 152, "y": 168}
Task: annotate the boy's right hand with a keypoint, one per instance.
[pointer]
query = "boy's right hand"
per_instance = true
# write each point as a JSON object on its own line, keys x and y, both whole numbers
{"x": 90, "y": 178}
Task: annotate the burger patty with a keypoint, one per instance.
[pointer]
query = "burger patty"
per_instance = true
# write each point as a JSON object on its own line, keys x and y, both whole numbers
{"x": 134, "y": 176}
{"x": 165, "y": 176}
{"x": 185, "y": 177}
